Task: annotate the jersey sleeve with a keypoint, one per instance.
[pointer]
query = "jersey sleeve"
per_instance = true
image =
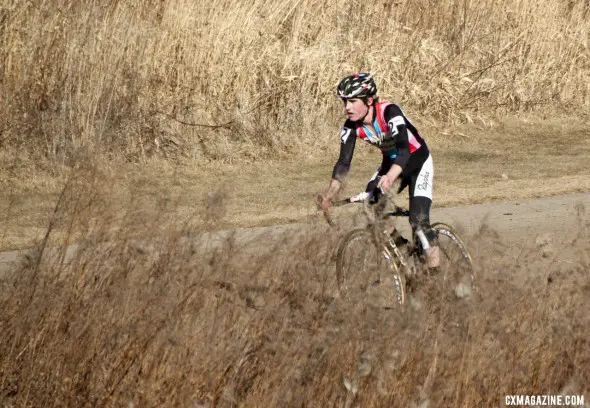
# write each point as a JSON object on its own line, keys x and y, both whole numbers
{"x": 398, "y": 128}
{"x": 347, "y": 142}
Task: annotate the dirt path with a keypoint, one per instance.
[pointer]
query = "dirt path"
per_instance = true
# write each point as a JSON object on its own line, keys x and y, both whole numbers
{"x": 519, "y": 222}
{"x": 523, "y": 219}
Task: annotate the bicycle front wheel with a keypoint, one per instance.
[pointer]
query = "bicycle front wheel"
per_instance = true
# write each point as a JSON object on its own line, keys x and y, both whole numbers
{"x": 365, "y": 271}
{"x": 456, "y": 265}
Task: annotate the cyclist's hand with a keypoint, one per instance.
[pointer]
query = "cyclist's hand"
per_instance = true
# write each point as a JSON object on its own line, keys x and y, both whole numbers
{"x": 323, "y": 202}
{"x": 385, "y": 182}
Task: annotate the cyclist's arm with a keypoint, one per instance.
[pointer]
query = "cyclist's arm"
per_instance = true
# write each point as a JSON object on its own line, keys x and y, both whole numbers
{"x": 347, "y": 142}
{"x": 394, "y": 172}
{"x": 342, "y": 166}
{"x": 397, "y": 126}
{"x": 332, "y": 189}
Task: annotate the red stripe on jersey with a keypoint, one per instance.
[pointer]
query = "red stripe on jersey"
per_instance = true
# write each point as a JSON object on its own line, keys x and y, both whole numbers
{"x": 414, "y": 144}
{"x": 361, "y": 132}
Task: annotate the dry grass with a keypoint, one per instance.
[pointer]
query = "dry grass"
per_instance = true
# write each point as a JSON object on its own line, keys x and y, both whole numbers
{"x": 123, "y": 76}
{"x": 122, "y": 85}
{"x": 184, "y": 318}
{"x": 193, "y": 319}
{"x": 468, "y": 169}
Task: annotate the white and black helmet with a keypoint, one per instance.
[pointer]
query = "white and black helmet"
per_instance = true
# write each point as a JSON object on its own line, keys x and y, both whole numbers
{"x": 357, "y": 86}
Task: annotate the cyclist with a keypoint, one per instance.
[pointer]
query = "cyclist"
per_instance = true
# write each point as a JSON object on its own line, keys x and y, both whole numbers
{"x": 405, "y": 154}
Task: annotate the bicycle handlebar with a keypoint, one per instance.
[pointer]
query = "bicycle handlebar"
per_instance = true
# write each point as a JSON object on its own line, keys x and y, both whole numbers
{"x": 361, "y": 198}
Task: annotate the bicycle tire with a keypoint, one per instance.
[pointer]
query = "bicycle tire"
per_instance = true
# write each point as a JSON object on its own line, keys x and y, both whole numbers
{"x": 456, "y": 263}
{"x": 362, "y": 265}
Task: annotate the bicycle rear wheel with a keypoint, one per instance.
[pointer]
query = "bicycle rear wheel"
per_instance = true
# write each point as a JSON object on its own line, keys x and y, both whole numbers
{"x": 456, "y": 268}
{"x": 365, "y": 271}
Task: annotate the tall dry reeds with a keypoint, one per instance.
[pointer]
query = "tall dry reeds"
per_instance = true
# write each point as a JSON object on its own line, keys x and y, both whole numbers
{"x": 252, "y": 318}
{"x": 224, "y": 80}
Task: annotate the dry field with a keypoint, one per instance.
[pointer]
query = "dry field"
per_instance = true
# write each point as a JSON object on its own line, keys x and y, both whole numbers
{"x": 134, "y": 128}
{"x": 202, "y": 81}
{"x": 514, "y": 160}
{"x": 183, "y": 320}
{"x": 179, "y": 98}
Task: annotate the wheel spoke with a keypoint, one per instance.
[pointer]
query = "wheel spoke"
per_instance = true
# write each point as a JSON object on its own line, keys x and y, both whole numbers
{"x": 364, "y": 273}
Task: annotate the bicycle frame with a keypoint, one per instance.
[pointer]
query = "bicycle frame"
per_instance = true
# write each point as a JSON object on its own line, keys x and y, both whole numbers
{"x": 380, "y": 237}
{"x": 402, "y": 266}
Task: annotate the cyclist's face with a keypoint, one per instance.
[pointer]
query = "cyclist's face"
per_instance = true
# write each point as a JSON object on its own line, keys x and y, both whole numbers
{"x": 356, "y": 109}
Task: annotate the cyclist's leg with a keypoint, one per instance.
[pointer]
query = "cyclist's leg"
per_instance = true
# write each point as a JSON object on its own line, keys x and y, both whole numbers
{"x": 420, "y": 184}
{"x": 420, "y": 217}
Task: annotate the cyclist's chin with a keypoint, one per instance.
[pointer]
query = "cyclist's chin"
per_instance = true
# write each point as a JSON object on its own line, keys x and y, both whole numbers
{"x": 353, "y": 117}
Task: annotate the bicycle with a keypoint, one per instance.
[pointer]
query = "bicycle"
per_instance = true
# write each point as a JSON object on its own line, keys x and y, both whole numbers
{"x": 365, "y": 254}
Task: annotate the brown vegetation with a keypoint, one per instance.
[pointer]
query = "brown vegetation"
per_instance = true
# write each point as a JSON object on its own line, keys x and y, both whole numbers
{"x": 132, "y": 78}
{"x": 146, "y": 313}
{"x": 193, "y": 319}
